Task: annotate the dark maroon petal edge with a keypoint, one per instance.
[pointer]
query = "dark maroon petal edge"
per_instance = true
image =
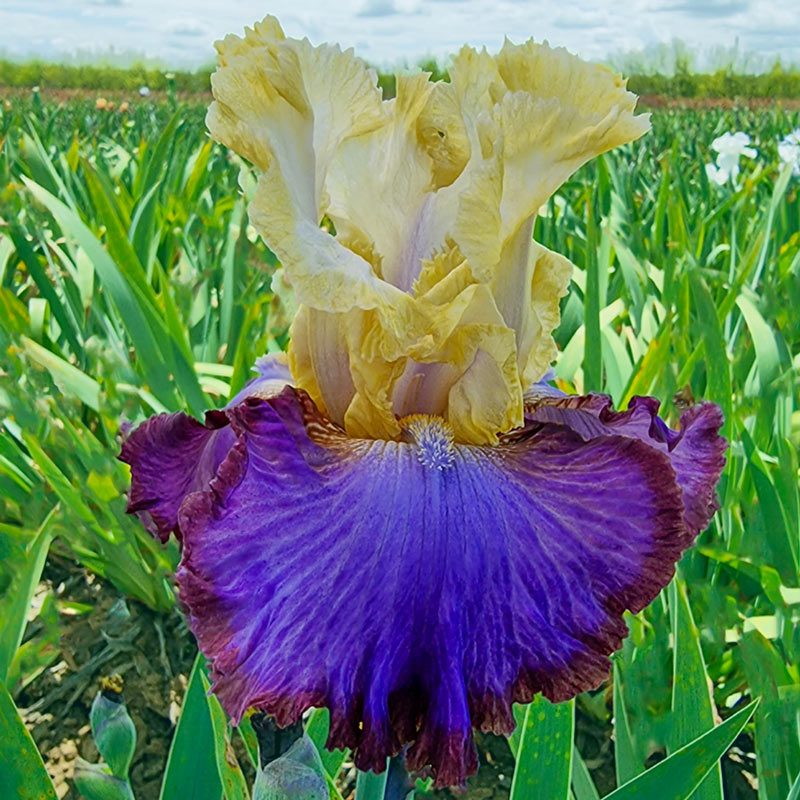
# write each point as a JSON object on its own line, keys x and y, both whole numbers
{"x": 164, "y": 453}
{"x": 696, "y": 449}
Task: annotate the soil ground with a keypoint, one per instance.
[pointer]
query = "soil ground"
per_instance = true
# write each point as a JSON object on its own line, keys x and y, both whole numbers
{"x": 152, "y": 652}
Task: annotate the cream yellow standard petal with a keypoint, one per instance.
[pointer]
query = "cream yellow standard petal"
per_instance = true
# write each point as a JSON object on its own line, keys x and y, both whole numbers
{"x": 431, "y": 296}
{"x": 379, "y": 183}
{"x": 287, "y": 107}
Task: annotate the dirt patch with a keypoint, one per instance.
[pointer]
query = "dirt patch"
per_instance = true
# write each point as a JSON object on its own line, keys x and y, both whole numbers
{"x": 152, "y": 652}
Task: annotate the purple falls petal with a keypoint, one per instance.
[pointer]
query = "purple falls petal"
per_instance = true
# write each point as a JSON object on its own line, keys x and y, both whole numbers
{"x": 418, "y": 588}
{"x": 173, "y": 455}
{"x": 696, "y": 451}
{"x": 170, "y": 456}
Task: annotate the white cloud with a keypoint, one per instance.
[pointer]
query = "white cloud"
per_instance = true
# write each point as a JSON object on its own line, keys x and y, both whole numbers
{"x": 379, "y": 8}
{"x": 394, "y": 31}
{"x": 186, "y": 27}
{"x": 710, "y": 9}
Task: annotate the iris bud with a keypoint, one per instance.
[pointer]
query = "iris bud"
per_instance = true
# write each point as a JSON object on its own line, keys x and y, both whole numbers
{"x": 113, "y": 729}
{"x": 95, "y": 782}
{"x": 296, "y": 775}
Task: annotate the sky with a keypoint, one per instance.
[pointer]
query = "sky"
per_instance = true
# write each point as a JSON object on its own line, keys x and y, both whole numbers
{"x": 180, "y": 33}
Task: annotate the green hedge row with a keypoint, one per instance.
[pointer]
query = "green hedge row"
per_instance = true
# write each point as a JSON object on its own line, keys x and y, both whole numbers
{"x": 100, "y": 77}
{"x": 777, "y": 83}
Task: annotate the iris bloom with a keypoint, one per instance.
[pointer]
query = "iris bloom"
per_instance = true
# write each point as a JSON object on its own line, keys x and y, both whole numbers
{"x": 789, "y": 151}
{"x": 403, "y": 524}
{"x": 730, "y": 147}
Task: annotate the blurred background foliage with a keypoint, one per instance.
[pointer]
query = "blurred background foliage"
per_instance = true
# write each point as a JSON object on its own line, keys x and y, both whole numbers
{"x": 674, "y": 77}
{"x": 131, "y": 283}
{"x": 99, "y": 76}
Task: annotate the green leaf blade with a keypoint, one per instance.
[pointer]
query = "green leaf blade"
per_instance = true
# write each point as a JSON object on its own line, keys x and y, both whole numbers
{"x": 677, "y": 777}
{"x": 543, "y": 749}
{"x": 191, "y": 771}
{"x": 22, "y": 772}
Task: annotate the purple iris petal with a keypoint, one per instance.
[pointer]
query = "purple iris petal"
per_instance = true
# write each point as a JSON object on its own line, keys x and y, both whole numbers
{"x": 696, "y": 450}
{"x": 172, "y": 455}
{"x": 418, "y": 588}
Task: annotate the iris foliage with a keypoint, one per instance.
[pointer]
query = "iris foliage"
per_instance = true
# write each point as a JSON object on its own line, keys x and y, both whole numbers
{"x": 131, "y": 284}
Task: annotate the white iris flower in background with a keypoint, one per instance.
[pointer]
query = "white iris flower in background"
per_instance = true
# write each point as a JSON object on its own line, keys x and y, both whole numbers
{"x": 789, "y": 151}
{"x": 729, "y": 147}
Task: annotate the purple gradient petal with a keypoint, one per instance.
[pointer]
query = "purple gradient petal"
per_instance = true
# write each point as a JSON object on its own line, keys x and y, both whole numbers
{"x": 696, "y": 451}
{"x": 418, "y": 591}
{"x": 172, "y": 455}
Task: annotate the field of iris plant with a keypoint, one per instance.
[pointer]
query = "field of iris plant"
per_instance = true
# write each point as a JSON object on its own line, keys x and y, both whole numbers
{"x": 131, "y": 283}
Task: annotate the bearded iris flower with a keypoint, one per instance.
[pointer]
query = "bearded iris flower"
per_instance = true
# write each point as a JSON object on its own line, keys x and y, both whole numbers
{"x": 402, "y": 523}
